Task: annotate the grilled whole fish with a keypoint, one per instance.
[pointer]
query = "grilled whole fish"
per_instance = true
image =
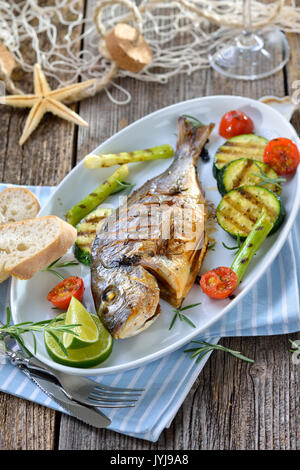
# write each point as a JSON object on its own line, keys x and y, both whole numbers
{"x": 153, "y": 245}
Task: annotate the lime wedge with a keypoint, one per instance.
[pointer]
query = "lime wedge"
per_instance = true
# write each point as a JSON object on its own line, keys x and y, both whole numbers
{"x": 87, "y": 356}
{"x": 87, "y": 331}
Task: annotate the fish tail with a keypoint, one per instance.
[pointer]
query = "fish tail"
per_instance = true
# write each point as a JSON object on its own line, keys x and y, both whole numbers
{"x": 191, "y": 139}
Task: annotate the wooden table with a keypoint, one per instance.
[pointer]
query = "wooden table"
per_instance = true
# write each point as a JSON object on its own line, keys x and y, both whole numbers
{"x": 232, "y": 405}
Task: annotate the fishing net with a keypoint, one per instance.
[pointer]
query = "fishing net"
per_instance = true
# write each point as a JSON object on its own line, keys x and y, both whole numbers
{"x": 65, "y": 41}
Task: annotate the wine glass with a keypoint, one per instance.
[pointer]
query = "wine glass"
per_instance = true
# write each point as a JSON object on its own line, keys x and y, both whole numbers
{"x": 251, "y": 55}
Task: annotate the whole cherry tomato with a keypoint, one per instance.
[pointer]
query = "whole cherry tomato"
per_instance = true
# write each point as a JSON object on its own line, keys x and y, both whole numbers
{"x": 219, "y": 283}
{"x": 63, "y": 292}
{"x": 282, "y": 155}
{"x": 235, "y": 123}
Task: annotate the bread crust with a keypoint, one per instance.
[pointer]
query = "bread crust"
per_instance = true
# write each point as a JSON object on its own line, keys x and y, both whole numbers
{"x": 63, "y": 241}
{"x": 24, "y": 190}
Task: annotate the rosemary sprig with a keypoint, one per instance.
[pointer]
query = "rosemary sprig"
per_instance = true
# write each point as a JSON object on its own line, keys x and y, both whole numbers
{"x": 204, "y": 348}
{"x": 195, "y": 121}
{"x": 266, "y": 179}
{"x": 181, "y": 316}
{"x": 234, "y": 247}
{"x": 18, "y": 329}
{"x": 58, "y": 265}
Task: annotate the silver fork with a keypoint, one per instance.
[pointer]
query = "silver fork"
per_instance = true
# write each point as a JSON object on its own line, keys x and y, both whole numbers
{"x": 81, "y": 389}
{"x": 93, "y": 393}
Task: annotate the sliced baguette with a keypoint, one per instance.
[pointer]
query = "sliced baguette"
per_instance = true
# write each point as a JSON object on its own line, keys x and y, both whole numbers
{"x": 17, "y": 204}
{"x": 31, "y": 245}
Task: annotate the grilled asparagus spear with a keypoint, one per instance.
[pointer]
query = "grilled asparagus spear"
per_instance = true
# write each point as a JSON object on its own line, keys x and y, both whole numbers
{"x": 96, "y": 197}
{"x": 251, "y": 245}
{"x": 105, "y": 160}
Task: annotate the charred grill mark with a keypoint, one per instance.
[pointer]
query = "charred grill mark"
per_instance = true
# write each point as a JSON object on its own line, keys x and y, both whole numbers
{"x": 257, "y": 202}
{"x": 86, "y": 233}
{"x": 239, "y": 178}
{"x": 242, "y": 144}
{"x": 96, "y": 220}
{"x": 176, "y": 190}
{"x": 236, "y": 151}
{"x": 241, "y": 228}
{"x": 129, "y": 260}
{"x": 230, "y": 150}
{"x": 238, "y": 208}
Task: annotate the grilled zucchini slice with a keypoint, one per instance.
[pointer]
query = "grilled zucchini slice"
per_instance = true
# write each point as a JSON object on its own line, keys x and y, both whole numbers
{"x": 241, "y": 146}
{"x": 242, "y": 172}
{"x": 86, "y": 234}
{"x": 240, "y": 208}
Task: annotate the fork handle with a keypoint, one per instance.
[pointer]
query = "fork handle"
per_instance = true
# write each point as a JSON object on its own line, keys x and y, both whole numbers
{"x": 18, "y": 358}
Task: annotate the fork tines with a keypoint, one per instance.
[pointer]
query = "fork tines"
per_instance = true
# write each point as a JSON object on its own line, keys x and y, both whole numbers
{"x": 114, "y": 397}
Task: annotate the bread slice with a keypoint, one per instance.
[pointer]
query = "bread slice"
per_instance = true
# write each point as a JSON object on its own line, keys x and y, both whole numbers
{"x": 31, "y": 245}
{"x": 17, "y": 204}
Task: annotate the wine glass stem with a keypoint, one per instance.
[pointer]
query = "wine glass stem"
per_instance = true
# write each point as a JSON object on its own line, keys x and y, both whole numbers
{"x": 248, "y": 39}
{"x": 247, "y": 18}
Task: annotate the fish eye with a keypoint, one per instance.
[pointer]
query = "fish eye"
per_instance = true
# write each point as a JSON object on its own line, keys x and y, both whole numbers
{"x": 109, "y": 295}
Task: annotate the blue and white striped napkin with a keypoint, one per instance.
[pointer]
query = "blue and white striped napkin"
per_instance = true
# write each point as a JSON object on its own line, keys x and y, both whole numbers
{"x": 272, "y": 307}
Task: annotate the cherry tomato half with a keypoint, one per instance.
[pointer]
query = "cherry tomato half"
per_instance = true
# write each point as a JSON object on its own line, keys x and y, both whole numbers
{"x": 219, "y": 283}
{"x": 282, "y": 155}
{"x": 235, "y": 123}
{"x": 63, "y": 292}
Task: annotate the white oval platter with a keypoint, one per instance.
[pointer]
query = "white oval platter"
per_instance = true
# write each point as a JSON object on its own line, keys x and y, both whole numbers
{"x": 28, "y": 298}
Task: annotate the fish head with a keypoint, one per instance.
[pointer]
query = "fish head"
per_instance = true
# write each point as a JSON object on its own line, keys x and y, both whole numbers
{"x": 127, "y": 299}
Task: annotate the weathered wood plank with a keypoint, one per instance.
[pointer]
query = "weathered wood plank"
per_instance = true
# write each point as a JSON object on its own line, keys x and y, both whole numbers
{"x": 25, "y": 425}
{"x": 252, "y": 406}
{"x": 232, "y": 405}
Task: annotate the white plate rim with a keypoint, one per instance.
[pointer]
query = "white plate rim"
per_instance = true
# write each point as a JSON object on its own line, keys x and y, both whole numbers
{"x": 186, "y": 339}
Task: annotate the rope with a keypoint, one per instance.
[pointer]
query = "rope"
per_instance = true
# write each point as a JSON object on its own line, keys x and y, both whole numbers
{"x": 178, "y": 32}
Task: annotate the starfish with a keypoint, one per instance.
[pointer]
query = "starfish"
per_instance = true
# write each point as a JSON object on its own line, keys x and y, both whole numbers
{"x": 46, "y": 100}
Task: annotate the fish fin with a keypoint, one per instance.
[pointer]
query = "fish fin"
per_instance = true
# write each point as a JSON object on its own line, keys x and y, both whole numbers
{"x": 193, "y": 137}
